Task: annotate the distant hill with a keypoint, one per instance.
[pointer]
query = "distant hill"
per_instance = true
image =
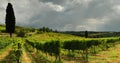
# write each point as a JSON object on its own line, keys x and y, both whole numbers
{"x": 93, "y": 34}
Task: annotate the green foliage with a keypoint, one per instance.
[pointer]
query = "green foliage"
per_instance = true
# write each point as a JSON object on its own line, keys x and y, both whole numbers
{"x": 17, "y": 49}
{"x": 79, "y": 45}
{"x": 5, "y": 42}
{"x": 53, "y": 43}
{"x": 71, "y": 54}
{"x": 52, "y": 47}
{"x": 56, "y": 61}
{"x": 21, "y": 34}
{"x": 45, "y": 29}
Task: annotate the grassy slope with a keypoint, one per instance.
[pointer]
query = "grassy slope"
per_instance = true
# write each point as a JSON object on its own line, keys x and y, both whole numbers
{"x": 53, "y": 36}
{"x": 112, "y": 55}
{"x": 59, "y": 36}
{"x": 2, "y": 28}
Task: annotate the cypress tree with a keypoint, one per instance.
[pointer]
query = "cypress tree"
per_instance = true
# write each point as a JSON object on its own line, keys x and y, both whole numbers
{"x": 10, "y": 19}
{"x": 86, "y": 34}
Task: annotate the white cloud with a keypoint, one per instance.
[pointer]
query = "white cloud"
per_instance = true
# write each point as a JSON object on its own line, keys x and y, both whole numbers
{"x": 80, "y": 27}
{"x": 96, "y": 23}
{"x": 55, "y": 7}
{"x": 116, "y": 8}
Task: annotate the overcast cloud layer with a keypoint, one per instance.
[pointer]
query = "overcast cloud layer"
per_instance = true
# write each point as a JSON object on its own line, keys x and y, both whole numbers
{"x": 66, "y": 15}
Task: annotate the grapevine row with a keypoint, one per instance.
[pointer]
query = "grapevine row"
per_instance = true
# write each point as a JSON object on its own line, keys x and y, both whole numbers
{"x": 54, "y": 47}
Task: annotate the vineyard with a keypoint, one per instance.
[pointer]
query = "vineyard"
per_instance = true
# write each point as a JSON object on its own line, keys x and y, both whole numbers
{"x": 57, "y": 48}
{"x": 78, "y": 50}
{"x": 54, "y": 43}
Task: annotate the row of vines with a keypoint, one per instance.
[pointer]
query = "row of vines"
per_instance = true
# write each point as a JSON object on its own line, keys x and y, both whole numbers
{"x": 83, "y": 47}
{"x": 15, "y": 45}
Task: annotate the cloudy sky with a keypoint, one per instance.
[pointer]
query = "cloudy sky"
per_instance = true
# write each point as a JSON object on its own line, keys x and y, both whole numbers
{"x": 66, "y": 15}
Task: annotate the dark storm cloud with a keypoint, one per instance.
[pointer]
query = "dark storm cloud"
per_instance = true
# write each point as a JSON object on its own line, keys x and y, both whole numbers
{"x": 75, "y": 15}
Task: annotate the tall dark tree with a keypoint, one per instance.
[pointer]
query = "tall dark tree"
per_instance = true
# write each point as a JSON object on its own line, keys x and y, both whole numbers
{"x": 86, "y": 34}
{"x": 10, "y": 19}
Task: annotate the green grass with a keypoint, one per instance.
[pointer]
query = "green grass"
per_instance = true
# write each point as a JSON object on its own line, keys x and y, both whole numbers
{"x": 59, "y": 36}
{"x": 111, "y": 55}
{"x": 53, "y": 36}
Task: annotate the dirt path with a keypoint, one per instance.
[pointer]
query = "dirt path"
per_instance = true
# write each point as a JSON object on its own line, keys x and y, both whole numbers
{"x": 25, "y": 57}
{"x": 5, "y": 53}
